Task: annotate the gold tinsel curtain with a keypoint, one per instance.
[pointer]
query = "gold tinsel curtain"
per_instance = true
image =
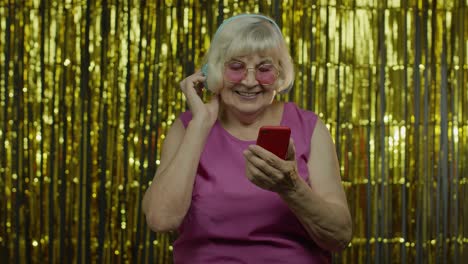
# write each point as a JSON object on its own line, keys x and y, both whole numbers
{"x": 89, "y": 88}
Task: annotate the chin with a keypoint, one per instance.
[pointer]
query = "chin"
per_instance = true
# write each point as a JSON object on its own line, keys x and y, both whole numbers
{"x": 250, "y": 108}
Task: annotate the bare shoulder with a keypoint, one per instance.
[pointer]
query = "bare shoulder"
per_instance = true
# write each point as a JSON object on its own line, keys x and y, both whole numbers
{"x": 176, "y": 130}
{"x": 324, "y": 169}
{"x": 321, "y": 132}
{"x": 322, "y": 147}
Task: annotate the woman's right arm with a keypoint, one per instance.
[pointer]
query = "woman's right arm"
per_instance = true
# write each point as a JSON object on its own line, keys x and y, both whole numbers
{"x": 168, "y": 198}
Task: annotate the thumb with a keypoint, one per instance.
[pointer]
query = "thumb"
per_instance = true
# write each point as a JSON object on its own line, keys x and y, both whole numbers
{"x": 291, "y": 154}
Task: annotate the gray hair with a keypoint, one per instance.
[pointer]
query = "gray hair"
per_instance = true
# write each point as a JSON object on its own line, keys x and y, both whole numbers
{"x": 242, "y": 35}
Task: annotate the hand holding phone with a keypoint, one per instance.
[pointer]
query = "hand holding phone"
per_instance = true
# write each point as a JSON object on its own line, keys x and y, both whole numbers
{"x": 274, "y": 139}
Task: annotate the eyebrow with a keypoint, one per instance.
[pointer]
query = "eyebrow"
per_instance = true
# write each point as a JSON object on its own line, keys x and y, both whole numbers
{"x": 263, "y": 61}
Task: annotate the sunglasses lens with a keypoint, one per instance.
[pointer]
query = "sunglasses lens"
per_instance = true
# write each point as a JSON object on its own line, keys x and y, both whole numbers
{"x": 234, "y": 72}
{"x": 265, "y": 73}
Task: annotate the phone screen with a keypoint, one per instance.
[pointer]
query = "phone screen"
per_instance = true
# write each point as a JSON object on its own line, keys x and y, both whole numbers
{"x": 274, "y": 139}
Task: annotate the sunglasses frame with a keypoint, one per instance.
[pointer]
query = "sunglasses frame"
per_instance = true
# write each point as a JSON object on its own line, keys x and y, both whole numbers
{"x": 246, "y": 70}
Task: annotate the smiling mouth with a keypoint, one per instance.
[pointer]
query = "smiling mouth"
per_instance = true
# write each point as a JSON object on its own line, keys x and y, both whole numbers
{"x": 248, "y": 94}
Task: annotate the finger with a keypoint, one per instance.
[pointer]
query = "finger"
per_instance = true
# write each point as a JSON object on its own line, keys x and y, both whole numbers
{"x": 257, "y": 176}
{"x": 267, "y": 156}
{"x": 188, "y": 88}
{"x": 291, "y": 154}
{"x": 192, "y": 81}
{"x": 263, "y": 165}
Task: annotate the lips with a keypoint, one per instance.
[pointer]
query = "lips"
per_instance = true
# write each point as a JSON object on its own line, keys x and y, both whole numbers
{"x": 248, "y": 94}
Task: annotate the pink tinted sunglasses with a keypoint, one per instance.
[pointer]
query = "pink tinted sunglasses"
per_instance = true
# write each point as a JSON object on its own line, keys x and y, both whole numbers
{"x": 236, "y": 71}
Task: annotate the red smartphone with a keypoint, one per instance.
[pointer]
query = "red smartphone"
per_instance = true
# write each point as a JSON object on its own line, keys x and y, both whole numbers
{"x": 274, "y": 139}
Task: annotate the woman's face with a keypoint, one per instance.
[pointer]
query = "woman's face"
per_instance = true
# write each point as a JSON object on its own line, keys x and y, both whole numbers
{"x": 250, "y": 92}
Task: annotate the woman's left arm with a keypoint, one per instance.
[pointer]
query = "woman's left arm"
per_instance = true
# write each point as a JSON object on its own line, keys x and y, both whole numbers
{"x": 321, "y": 207}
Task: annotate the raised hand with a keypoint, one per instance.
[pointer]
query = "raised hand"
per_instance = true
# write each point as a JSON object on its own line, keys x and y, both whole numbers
{"x": 206, "y": 113}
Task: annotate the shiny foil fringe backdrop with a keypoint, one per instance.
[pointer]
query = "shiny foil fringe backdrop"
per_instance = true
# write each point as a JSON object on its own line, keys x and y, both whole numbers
{"x": 89, "y": 88}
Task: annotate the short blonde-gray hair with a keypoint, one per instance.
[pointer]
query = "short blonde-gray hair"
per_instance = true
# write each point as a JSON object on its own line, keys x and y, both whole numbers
{"x": 242, "y": 35}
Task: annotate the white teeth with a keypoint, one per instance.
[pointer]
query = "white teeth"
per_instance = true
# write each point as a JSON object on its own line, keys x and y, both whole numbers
{"x": 247, "y": 94}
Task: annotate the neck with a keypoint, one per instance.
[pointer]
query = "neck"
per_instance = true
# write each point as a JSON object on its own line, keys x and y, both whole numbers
{"x": 232, "y": 118}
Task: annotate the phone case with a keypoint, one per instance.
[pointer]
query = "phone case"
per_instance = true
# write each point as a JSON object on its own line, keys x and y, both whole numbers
{"x": 274, "y": 139}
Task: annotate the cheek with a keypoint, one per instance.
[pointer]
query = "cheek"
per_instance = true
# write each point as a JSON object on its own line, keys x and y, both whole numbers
{"x": 275, "y": 88}
{"x": 225, "y": 94}
{"x": 271, "y": 92}
{"x": 227, "y": 88}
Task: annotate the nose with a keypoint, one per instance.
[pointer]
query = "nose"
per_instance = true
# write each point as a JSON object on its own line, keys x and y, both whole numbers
{"x": 250, "y": 79}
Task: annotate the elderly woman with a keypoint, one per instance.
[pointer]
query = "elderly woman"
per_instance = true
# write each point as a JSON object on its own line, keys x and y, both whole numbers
{"x": 231, "y": 200}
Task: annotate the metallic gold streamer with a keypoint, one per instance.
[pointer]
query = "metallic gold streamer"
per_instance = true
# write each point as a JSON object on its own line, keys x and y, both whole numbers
{"x": 88, "y": 90}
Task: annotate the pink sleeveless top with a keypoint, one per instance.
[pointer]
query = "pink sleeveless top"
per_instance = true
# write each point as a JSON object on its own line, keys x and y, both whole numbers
{"x": 230, "y": 219}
